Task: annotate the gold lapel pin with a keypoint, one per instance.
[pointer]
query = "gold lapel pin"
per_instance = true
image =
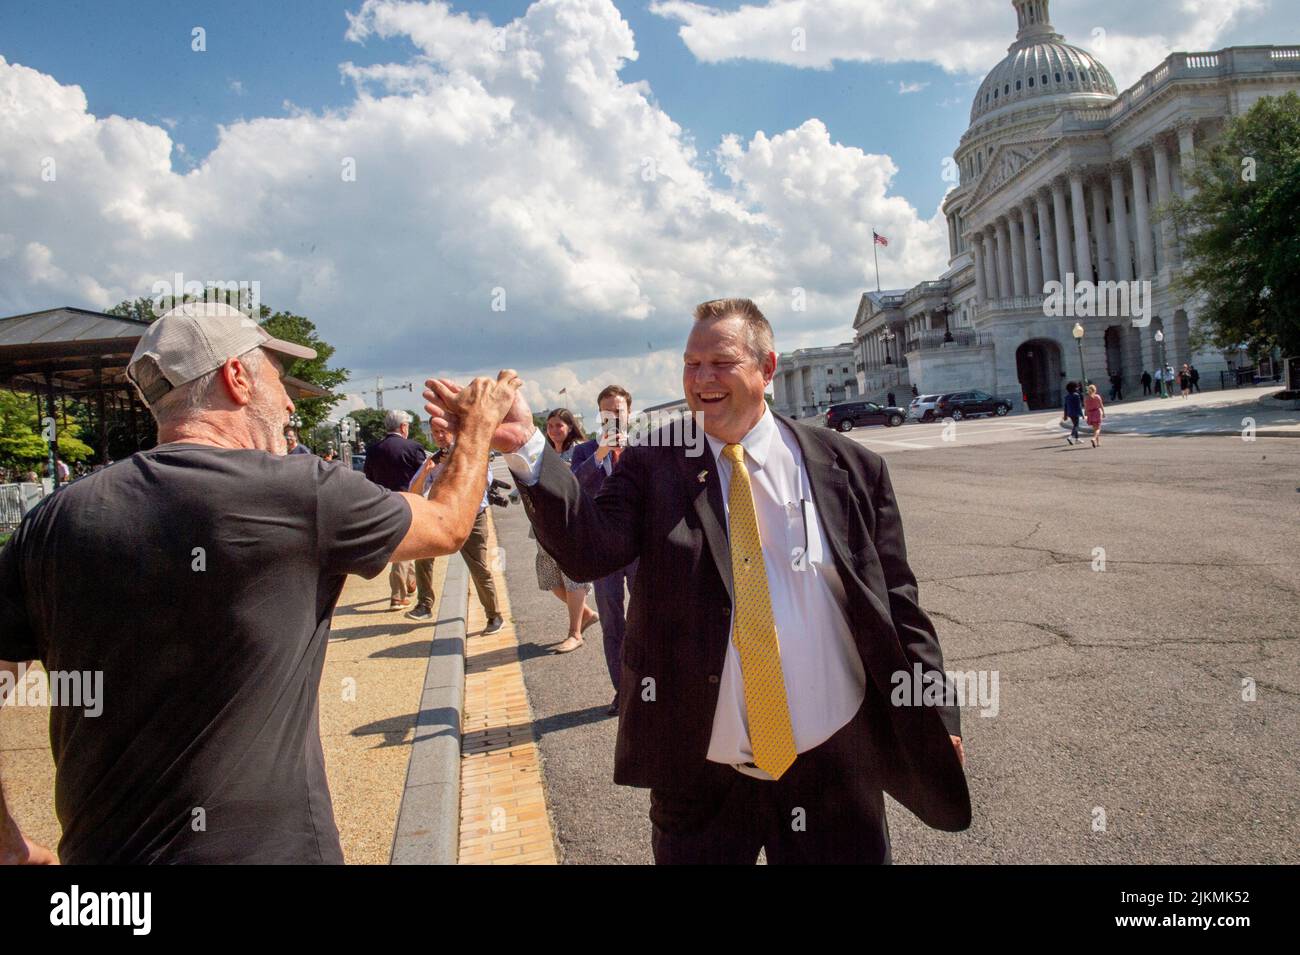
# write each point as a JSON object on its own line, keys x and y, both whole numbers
{"x": 701, "y": 476}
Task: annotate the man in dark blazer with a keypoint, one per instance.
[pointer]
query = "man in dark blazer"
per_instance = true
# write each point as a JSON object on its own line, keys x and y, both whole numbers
{"x": 391, "y": 463}
{"x": 594, "y": 461}
{"x": 773, "y": 617}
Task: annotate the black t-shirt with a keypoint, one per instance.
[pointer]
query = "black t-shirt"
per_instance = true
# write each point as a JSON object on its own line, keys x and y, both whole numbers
{"x": 201, "y": 582}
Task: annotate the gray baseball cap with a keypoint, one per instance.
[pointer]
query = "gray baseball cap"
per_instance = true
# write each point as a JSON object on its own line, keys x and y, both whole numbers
{"x": 193, "y": 339}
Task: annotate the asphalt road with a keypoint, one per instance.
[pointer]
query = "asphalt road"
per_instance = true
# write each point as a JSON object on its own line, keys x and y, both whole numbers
{"x": 1121, "y": 732}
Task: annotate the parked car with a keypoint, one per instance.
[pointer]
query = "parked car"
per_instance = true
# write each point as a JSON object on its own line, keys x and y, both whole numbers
{"x": 922, "y": 407}
{"x": 849, "y": 414}
{"x": 969, "y": 404}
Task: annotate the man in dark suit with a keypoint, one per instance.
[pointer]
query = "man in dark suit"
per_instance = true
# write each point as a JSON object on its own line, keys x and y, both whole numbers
{"x": 391, "y": 463}
{"x": 774, "y": 612}
{"x": 593, "y": 461}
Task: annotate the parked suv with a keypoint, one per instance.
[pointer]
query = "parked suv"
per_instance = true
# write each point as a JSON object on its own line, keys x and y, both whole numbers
{"x": 968, "y": 404}
{"x": 922, "y": 407}
{"x": 844, "y": 416}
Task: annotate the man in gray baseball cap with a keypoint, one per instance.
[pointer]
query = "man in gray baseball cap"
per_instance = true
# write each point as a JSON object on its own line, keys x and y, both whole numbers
{"x": 199, "y": 579}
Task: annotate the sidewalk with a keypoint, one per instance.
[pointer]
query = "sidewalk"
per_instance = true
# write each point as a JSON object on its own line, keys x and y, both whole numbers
{"x": 504, "y": 817}
{"x": 1204, "y": 413}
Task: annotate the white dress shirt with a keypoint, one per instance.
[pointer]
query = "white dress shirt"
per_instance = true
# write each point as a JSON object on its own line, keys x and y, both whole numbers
{"x": 825, "y": 682}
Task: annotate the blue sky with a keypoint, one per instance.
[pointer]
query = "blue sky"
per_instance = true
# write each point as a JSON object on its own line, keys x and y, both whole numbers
{"x": 133, "y": 59}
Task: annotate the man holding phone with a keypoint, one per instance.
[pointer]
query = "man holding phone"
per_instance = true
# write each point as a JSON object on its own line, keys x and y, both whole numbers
{"x": 594, "y": 461}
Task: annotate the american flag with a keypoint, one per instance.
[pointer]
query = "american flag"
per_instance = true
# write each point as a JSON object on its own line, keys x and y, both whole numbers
{"x": 878, "y": 238}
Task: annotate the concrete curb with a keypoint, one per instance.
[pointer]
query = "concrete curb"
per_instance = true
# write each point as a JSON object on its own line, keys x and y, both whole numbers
{"x": 428, "y": 822}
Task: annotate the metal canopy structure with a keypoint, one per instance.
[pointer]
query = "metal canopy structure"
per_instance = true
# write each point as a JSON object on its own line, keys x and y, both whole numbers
{"x": 82, "y": 354}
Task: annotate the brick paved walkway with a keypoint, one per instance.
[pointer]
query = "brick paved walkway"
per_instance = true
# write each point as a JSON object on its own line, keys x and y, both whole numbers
{"x": 503, "y": 814}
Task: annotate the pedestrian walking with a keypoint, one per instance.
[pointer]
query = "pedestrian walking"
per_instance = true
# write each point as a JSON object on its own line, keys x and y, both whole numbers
{"x": 564, "y": 434}
{"x": 1073, "y": 410}
{"x": 1185, "y": 381}
{"x": 1196, "y": 379}
{"x": 392, "y": 463}
{"x": 1094, "y": 410}
{"x": 890, "y": 400}
{"x": 475, "y": 550}
{"x": 1146, "y": 383}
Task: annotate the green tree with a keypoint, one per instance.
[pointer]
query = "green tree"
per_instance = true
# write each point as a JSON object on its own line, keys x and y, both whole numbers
{"x": 1242, "y": 236}
{"x": 370, "y": 427}
{"x": 370, "y": 424}
{"x": 141, "y": 308}
{"x": 302, "y": 331}
{"x": 21, "y": 444}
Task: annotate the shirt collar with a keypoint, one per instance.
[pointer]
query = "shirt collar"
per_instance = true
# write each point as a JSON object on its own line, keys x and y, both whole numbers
{"x": 757, "y": 443}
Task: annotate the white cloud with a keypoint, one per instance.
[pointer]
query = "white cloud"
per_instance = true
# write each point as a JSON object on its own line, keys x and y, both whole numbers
{"x": 511, "y": 158}
{"x": 966, "y": 37}
{"x": 237, "y": 87}
{"x": 905, "y": 88}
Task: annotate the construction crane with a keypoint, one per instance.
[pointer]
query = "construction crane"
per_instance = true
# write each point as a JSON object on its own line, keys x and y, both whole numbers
{"x": 380, "y": 389}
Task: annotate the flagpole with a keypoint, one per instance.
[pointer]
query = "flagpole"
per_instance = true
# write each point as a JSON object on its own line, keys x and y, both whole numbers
{"x": 875, "y": 254}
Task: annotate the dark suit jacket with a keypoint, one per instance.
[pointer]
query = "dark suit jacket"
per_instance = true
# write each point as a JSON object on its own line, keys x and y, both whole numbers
{"x": 393, "y": 462}
{"x": 589, "y": 472}
{"x": 655, "y": 507}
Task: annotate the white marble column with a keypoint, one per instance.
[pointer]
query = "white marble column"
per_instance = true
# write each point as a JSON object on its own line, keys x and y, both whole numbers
{"x": 1046, "y": 240}
{"x": 991, "y": 263}
{"x": 1105, "y": 266}
{"x": 1017, "y": 256}
{"x": 1122, "y": 253}
{"x": 952, "y": 238}
{"x": 1146, "y": 254}
{"x": 1079, "y": 212}
{"x": 1060, "y": 215}
{"x": 977, "y": 262}
{"x": 1004, "y": 259}
{"x": 1164, "y": 192}
{"x": 1033, "y": 264}
{"x": 1187, "y": 156}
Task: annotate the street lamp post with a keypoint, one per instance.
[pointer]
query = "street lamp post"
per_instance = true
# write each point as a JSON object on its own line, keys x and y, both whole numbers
{"x": 1160, "y": 340}
{"x": 887, "y": 337}
{"x": 1078, "y": 340}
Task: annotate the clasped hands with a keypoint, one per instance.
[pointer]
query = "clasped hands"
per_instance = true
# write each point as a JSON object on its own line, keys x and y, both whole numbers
{"x": 497, "y": 407}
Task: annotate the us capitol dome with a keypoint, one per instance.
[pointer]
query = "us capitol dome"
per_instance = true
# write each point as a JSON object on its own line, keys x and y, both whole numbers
{"x": 1041, "y": 69}
{"x": 1059, "y": 178}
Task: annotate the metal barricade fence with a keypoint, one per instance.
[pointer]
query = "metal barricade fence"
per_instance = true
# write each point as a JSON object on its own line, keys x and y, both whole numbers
{"x": 15, "y": 501}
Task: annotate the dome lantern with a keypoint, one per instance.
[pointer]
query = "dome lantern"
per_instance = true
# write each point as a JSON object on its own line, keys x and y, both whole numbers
{"x": 1035, "y": 22}
{"x": 1041, "y": 69}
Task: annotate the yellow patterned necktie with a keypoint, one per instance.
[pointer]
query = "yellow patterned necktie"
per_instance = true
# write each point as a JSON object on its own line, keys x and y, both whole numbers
{"x": 770, "y": 732}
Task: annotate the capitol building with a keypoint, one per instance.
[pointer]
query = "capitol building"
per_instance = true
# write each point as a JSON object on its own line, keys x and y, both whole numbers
{"x": 1061, "y": 176}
